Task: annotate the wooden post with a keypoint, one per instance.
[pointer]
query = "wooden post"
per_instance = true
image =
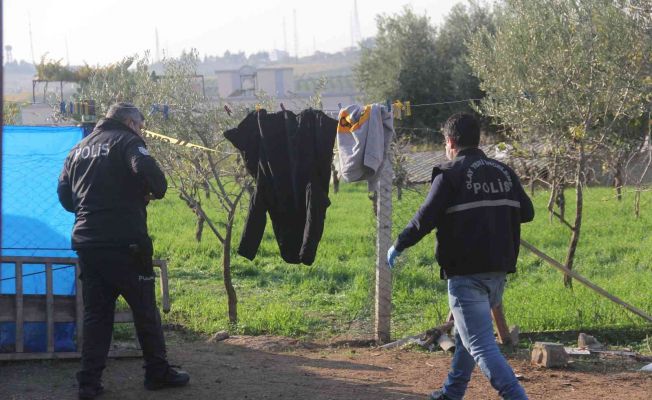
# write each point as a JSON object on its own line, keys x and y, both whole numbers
{"x": 498, "y": 315}
{"x": 383, "y": 242}
{"x": 49, "y": 306}
{"x": 585, "y": 281}
{"x": 19, "y": 307}
{"x": 501, "y": 324}
{"x": 165, "y": 294}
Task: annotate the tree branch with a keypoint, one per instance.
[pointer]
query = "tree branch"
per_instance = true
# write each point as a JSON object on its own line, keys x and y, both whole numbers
{"x": 195, "y": 206}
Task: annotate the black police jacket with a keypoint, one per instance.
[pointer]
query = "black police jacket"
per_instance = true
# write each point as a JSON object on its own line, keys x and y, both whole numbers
{"x": 290, "y": 158}
{"x": 105, "y": 181}
{"x": 477, "y": 205}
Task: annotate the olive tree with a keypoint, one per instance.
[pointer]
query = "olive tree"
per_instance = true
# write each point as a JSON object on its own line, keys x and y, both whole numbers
{"x": 210, "y": 179}
{"x": 566, "y": 74}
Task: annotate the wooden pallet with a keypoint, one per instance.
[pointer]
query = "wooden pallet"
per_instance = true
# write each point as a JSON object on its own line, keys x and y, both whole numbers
{"x": 51, "y": 308}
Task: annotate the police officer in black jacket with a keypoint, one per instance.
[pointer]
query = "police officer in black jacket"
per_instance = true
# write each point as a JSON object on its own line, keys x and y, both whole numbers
{"x": 477, "y": 205}
{"x": 107, "y": 181}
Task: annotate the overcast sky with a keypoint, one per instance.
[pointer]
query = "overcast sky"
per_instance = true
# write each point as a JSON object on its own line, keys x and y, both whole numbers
{"x": 105, "y": 31}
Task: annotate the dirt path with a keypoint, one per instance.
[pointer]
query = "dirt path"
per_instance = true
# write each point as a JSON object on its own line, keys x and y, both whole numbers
{"x": 279, "y": 368}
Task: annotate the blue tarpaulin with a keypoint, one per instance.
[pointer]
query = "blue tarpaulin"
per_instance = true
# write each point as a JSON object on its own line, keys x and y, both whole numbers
{"x": 35, "y": 224}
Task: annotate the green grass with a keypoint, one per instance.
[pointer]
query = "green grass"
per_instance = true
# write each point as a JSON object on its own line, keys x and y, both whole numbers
{"x": 334, "y": 296}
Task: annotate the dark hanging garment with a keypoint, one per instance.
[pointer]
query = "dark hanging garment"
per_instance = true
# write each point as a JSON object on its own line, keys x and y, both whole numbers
{"x": 290, "y": 158}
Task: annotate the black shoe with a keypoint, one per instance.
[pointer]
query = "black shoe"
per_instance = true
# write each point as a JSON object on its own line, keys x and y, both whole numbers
{"x": 88, "y": 392}
{"x": 438, "y": 395}
{"x": 171, "y": 378}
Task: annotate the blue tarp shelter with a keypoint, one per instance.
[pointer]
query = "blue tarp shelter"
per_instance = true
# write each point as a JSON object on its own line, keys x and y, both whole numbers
{"x": 34, "y": 224}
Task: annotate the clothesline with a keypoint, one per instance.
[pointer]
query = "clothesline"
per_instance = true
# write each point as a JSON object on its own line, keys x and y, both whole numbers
{"x": 397, "y": 103}
{"x": 414, "y": 129}
{"x": 444, "y": 102}
{"x": 386, "y": 102}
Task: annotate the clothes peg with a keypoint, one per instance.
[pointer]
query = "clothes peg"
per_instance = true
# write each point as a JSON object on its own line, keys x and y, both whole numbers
{"x": 397, "y": 108}
{"x": 408, "y": 109}
{"x": 228, "y": 109}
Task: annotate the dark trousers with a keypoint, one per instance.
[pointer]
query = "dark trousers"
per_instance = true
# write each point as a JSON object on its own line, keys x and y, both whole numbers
{"x": 107, "y": 273}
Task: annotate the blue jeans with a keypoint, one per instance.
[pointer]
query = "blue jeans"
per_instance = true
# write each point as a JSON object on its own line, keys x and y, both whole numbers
{"x": 471, "y": 298}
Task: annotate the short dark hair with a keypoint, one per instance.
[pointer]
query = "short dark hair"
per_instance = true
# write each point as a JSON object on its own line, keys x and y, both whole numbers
{"x": 463, "y": 128}
{"x": 124, "y": 111}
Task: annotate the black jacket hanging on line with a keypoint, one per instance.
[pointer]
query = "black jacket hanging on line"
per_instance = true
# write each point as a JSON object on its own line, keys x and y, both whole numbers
{"x": 290, "y": 157}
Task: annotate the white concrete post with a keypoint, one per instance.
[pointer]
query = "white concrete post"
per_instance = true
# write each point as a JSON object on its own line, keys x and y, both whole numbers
{"x": 383, "y": 242}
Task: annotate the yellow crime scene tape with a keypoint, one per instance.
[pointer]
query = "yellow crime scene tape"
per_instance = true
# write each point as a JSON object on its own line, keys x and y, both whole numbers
{"x": 171, "y": 140}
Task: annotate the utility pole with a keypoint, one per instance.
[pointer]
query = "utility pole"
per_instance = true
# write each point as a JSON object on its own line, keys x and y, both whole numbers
{"x": 285, "y": 37}
{"x": 67, "y": 53}
{"x": 158, "y": 50}
{"x": 356, "y": 35}
{"x": 31, "y": 40}
{"x": 296, "y": 35}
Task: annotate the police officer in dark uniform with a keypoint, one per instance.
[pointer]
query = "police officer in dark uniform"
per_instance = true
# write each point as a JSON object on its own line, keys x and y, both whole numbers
{"x": 477, "y": 205}
{"x": 107, "y": 181}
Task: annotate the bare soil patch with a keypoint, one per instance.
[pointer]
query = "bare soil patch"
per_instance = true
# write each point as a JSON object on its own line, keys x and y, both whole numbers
{"x": 268, "y": 367}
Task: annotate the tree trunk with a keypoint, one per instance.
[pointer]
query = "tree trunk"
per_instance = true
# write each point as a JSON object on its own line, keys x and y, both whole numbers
{"x": 618, "y": 182}
{"x": 533, "y": 174}
{"x": 551, "y": 201}
{"x": 200, "y": 227}
{"x": 336, "y": 179}
{"x": 226, "y": 265}
{"x": 553, "y": 189}
{"x": 637, "y": 202}
{"x": 399, "y": 192}
{"x": 561, "y": 201}
{"x": 531, "y": 187}
{"x": 579, "y": 202}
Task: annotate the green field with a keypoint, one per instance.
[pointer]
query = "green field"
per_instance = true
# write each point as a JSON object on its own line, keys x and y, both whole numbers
{"x": 334, "y": 297}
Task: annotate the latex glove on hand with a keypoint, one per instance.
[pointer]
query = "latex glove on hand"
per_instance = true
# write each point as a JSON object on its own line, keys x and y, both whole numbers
{"x": 392, "y": 253}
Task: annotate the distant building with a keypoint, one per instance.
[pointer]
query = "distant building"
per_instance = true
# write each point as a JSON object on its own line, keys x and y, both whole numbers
{"x": 247, "y": 81}
{"x": 243, "y": 85}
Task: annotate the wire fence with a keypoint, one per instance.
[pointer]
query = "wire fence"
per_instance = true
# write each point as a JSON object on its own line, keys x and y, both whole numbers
{"x": 418, "y": 296}
{"x": 33, "y": 221}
